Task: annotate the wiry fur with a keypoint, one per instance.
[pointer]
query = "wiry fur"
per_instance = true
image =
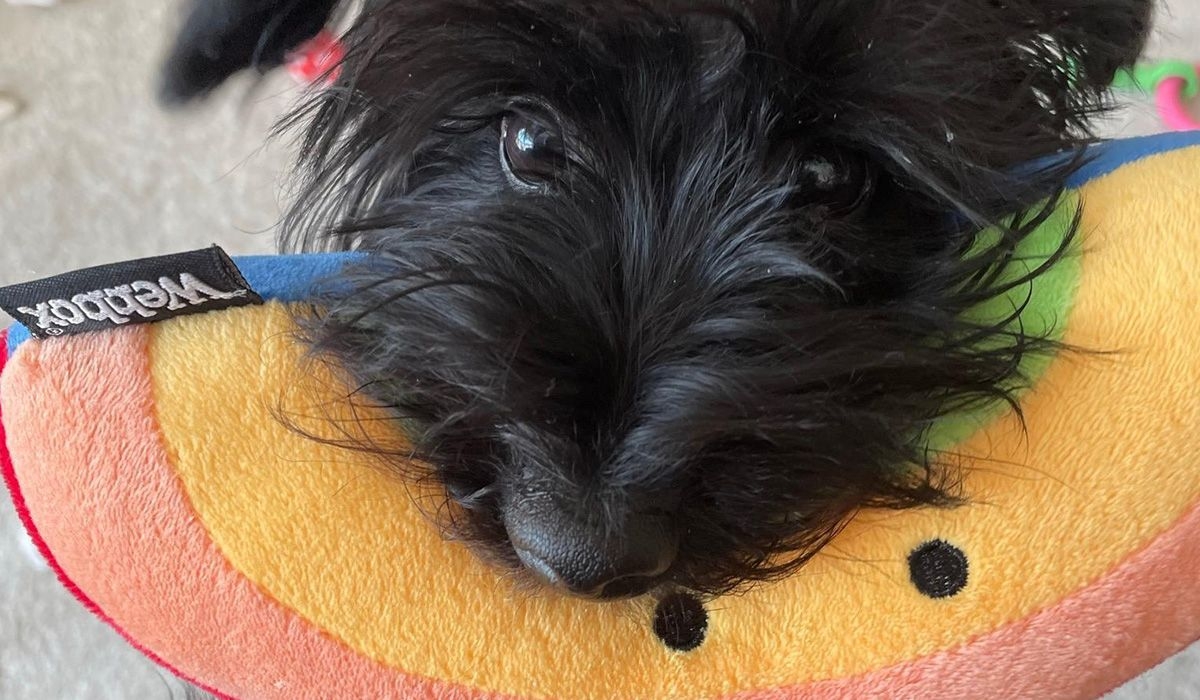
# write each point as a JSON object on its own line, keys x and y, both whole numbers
{"x": 673, "y": 327}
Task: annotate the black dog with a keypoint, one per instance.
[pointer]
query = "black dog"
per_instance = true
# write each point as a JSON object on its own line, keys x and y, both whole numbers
{"x": 663, "y": 291}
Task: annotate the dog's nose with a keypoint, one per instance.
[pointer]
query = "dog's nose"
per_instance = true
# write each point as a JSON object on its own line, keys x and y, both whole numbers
{"x": 585, "y": 562}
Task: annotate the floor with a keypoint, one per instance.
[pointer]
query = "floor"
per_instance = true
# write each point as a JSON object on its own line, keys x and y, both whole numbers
{"x": 90, "y": 172}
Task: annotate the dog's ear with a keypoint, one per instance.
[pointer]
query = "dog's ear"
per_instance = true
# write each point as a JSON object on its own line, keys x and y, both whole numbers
{"x": 219, "y": 38}
{"x": 958, "y": 95}
{"x": 1099, "y": 37}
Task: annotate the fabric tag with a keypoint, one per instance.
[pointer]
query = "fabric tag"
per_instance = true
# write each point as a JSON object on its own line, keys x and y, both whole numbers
{"x": 136, "y": 291}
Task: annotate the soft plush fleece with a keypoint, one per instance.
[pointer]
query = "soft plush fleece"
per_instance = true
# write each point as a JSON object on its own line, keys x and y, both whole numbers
{"x": 153, "y": 465}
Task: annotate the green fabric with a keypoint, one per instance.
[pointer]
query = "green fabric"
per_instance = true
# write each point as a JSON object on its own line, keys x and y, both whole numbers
{"x": 1049, "y": 299}
{"x": 1147, "y": 76}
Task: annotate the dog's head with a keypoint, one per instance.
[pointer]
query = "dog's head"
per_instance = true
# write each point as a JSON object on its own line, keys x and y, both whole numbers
{"x": 664, "y": 291}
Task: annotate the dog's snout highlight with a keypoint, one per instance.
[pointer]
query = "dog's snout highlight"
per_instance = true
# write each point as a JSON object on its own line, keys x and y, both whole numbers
{"x": 588, "y": 557}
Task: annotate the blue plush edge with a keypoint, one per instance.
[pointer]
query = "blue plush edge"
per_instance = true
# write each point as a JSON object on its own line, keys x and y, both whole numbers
{"x": 1111, "y": 155}
{"x": 290, "y": 277}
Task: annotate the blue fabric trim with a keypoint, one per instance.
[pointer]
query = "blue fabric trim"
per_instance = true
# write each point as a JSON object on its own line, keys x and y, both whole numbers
{"x": 289, "y": 278}
{"x": 1111, "y": 155}
{"x": 17, "y": 334}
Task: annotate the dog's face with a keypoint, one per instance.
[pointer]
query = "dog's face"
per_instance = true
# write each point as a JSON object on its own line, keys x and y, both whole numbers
{"x": 663, "y": 291}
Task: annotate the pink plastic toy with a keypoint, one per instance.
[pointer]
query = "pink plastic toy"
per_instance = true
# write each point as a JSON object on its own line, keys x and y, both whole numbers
{"x": 317, "y": 60}
{"x": 1173, "y": 83}
{"x": 1169, "y": 97}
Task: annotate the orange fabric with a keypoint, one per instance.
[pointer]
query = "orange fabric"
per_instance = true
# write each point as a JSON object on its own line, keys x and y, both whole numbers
{"x": 107, "y": 487}
{"x": 9, "y": 477}
{"x": 1091, "y": 421}
{"x": 271, "y": 566}
{"x": 1082, "y": 647}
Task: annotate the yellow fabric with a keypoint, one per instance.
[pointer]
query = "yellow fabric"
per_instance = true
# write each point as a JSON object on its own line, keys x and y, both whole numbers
{"x": 346, "y": 546}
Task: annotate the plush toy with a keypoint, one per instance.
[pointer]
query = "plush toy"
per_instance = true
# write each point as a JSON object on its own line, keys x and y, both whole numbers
{"x": 1173, "y": 84}
{"x": 157, "y": 455}
{"x": 318, "y": 60}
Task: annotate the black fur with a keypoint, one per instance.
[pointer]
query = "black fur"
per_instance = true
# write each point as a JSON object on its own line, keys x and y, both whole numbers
{"x": 222, "y": 37}
{"x": 674, "y": 337}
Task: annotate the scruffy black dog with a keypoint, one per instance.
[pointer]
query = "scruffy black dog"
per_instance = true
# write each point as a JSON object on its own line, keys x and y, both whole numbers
{"x": 663, "y": 291}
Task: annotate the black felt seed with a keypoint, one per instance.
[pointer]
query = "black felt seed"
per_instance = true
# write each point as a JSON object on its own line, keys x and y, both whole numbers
{"x": 681, "y": 622}
{"x": 938, "y": 569}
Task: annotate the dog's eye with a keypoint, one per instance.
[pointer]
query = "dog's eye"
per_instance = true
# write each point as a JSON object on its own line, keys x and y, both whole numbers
{"x": 842, "y": 181}
{"x": 531, "y": 150}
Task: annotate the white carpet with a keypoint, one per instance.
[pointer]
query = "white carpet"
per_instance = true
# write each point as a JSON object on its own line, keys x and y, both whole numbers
{"x": 91, "y": 171}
